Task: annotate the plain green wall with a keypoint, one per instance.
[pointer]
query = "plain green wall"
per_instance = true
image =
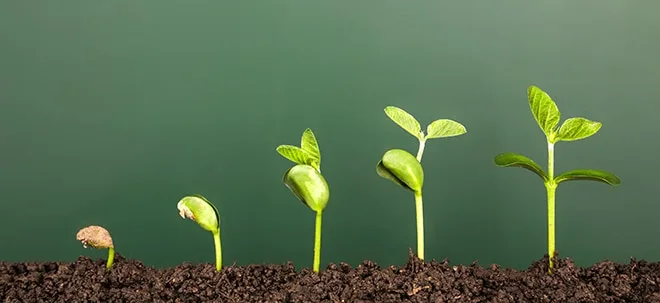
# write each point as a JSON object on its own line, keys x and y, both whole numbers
{"x": 112, "y": 111}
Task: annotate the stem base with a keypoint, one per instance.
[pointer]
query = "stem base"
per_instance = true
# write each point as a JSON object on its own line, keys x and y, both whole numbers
{"x": 111, "y": 257}
{"x": 317, "y": 242}
{"x": 218, "y": 250}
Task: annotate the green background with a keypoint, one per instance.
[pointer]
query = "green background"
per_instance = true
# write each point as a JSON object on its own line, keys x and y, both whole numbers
{"x": 112, "y": 111}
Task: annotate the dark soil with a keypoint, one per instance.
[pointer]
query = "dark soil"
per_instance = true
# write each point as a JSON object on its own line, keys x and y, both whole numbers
{"x": 86, "y": 280}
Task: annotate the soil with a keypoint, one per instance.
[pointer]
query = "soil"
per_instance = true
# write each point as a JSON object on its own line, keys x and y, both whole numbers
{"x": 86, "y": 280}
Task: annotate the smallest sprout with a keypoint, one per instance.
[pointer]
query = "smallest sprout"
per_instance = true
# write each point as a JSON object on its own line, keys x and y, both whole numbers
{"x": 97, "y": 237}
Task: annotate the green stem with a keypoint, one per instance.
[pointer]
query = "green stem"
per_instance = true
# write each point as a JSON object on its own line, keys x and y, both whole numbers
{"x": 419, "y": 212}
{"x": 111, "y": 257}
{"x": 551, "y": 187}
{"x": 551, "y": 161}
{"x": 419, "y": 207}
{"x": 317, "y": 242}
{"x": 218, "y": 250}
{"x": 420, "y": 150}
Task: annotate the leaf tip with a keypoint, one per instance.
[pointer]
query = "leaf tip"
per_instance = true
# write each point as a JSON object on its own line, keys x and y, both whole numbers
{"x": 500, "y": 160}
{"x": 534, "y": 89}
{"x": 598, "y": 124}
{"x": 615, "y": 181}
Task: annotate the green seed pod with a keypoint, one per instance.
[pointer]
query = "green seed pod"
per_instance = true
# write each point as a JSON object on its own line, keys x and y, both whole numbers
{"x": 402, "y": 168}
{"x": 200, "y": 210}
{"x": 308, "y": 185}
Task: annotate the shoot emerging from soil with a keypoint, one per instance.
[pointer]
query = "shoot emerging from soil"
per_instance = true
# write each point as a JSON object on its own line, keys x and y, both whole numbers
{"x": 547, "y": 115}
{"x": 97, "y": 237}
{"x": 404, "y": 169}
{"x": 202, "y": 211}
{"x": 305, "y": 181}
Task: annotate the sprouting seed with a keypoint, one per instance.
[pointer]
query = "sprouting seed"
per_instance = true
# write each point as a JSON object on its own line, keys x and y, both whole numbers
{"x": 307, "y": 183}
{"x": 202, "y": 211}
{"x": 97, "y": 237}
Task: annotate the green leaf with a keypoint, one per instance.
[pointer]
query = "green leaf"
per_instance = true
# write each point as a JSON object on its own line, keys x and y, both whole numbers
{"x": 402, "y": 168}
{"x": 443, "y": 128}
{"x": 294, "y": 153}
{"x": 589, "y": 174}
{"x": 513, "y": 159}
{"x": 309, "y": 144}
{"x": 200, "y": 210}
{"x": 577, "y": 128}
{"x": 405, "y": 120}
{"x": 308, "y": 185}
{"x": 544, "y": 109}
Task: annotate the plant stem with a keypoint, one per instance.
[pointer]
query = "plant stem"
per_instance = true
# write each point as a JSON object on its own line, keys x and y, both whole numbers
{"x": 419, "y": 206}
{"x": 420, "y": 151}
{"x": 111, "y": 257}
{"x": 419, "y": 212}
{"x": 218, "y": 250}
{"x": 551, "y": 187}
{"x": 317, "y": 242}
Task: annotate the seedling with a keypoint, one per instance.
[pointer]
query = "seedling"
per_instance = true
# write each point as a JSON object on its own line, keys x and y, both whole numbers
{"x": 547, "y": 116}
{"x": 97, "y": 237}
{"x": 306, "y": 182}
{"x": 402, "y": 168}
{"x": 202, "y": 211}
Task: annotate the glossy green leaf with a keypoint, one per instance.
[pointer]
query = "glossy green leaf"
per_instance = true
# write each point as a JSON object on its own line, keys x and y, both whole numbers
{"x": 308, "y": 185}
{"x": 200, "y": 210}
{"x": 589, "y": 174}
{"x": 545, "y": 110}
{"x": 402, "y": 168}
{"x": 294, "y": 154}
{"x": 513, "y": 159}
{"x": 443, "y": 128}
{"x": 577, "y": 128}
{"x": 309, "y": 144}
{"x": 405, "y": 120}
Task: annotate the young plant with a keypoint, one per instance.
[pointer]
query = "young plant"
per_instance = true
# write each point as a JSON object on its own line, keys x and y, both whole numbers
{"x": 404, "y": 169}
{"x": 546, "y": 113}
{"x": 306, "y": 182}
{"x": 97, "y": 237}
{"x": 202, "y": 211}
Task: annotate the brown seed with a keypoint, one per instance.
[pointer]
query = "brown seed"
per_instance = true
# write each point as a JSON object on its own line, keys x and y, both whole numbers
{"x": 95, "y": 236}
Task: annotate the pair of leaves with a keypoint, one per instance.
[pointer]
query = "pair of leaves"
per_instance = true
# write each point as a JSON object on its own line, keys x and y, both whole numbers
{"x": 305, "y": 180}
{"x": 308, "y": 153}
{"x": 200, "y": 210}
{"x": 402, "y": 168}
{"x": 308, "y": 185}
{"x": 547, "y": 116}
{"x": 441, "y": 128}
{"x": 512, "y": 159}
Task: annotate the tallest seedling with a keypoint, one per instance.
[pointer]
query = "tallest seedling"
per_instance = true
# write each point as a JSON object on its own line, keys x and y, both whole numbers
{"x": 404, "y": 169}
{"x": 547, "y": 116}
